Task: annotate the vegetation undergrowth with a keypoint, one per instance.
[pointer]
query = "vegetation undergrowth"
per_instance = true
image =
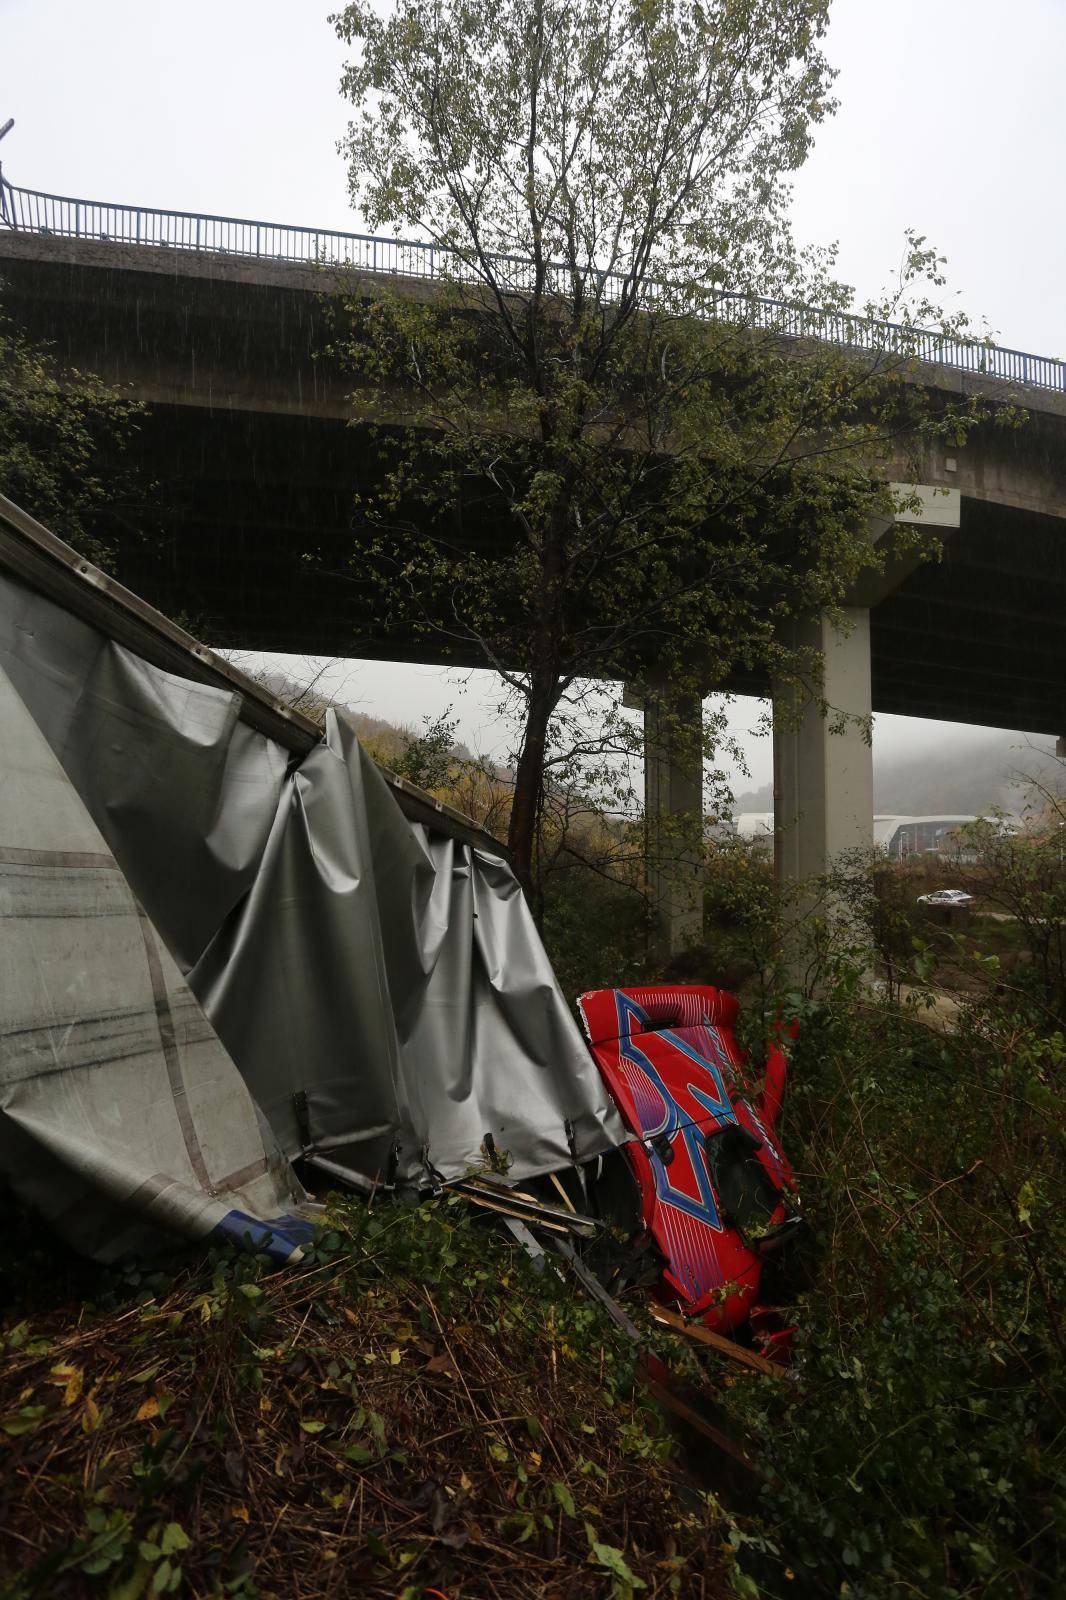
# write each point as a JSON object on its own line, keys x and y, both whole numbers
{"x": 413, "y": 1409}
{"x": 921, "y": 1452}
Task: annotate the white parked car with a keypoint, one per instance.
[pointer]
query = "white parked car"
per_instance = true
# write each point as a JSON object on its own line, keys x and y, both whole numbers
{"x": 946, "y": 897}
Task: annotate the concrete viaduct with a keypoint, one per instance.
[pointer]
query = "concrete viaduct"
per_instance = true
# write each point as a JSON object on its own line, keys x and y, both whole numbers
{"x": 218, "y": 325}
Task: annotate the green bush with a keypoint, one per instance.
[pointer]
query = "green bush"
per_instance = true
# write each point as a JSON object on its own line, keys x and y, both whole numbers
{"x": 595, "y": 930}
{"x": 921, "y": 1451}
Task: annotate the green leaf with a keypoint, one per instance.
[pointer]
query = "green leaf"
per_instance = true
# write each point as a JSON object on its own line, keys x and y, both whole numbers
{"x": 310, "y": 1426}
{"x": 145, "y": 1374}
{"x": 359, "y": 1454}
{"x": 174, "y": 1538}
{"x": 609, "y": 1556}
{"x": 1026, "y": 1201}
{"x": 27, "y": 1420}
{"x": 133, "y": 1586}
{"x": 563, "y": 1497}
{"x": 99, "y": 1563}
{"x": 378, "y": 1548}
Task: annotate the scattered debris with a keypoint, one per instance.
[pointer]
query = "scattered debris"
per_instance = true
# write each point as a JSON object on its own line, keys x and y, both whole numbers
{"x": 413, "y": 1407}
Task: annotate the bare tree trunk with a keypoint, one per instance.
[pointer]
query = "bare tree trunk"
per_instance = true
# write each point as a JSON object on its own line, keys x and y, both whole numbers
{"x": 543, "y": 691}
{"x": 529, "y": 785}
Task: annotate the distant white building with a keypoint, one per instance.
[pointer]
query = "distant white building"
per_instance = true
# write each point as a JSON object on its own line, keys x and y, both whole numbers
{"x": 884, "y": 829}
{"x": 904, "y": 838}
{"x": 901, "y": 838}
{"x": 756, "y": 826}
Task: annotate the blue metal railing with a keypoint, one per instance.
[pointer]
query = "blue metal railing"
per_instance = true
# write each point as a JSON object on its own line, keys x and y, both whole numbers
{"x": 31, "y": 211}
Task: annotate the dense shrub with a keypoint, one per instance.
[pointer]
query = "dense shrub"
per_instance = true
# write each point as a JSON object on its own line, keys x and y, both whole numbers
{"x": 595, "y": 931}
{"x": 921, "y": 1451}
{"x": 741, "y": 910}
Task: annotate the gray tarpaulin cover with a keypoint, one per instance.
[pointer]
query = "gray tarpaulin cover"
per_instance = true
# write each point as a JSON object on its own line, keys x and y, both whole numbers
{"x": 381, "y": 989}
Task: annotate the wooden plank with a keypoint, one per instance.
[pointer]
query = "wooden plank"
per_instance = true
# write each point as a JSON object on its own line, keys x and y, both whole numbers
{"x": 511, "y": 1212}
{"x": 527, "y": 1206}
{"x": 716, "y": 1341}
{"x": 681, "y": 1409}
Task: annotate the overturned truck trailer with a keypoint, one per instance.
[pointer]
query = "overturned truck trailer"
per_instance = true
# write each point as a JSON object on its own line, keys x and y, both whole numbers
{"x": 228, "y": 940}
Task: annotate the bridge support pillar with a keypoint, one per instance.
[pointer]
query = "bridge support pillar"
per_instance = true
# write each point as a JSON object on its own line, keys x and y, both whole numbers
{"x": 673, "y": 813}
{"x": 823, "y": 774}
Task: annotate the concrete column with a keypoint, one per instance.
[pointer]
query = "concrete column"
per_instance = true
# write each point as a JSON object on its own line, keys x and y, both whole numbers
{"x": 673, "y": 810}
{"x": 823, "y": 765}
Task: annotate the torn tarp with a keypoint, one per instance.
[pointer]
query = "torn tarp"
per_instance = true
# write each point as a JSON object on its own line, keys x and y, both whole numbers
{"x": 120, "y": 1112}
{"x": 380, "y": 987}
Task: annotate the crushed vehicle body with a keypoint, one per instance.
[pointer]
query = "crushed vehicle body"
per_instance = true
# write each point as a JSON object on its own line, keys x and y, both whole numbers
{"x": 717, "y": 1194}
{"x": 229, "y": 942}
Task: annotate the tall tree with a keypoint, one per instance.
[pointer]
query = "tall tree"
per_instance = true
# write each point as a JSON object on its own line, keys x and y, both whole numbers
{"x": 614, "y": 463}
{"x": 63, "y": 435}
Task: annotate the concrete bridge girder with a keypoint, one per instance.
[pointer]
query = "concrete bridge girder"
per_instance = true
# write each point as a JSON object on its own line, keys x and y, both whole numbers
{"x": 247, "y": 432}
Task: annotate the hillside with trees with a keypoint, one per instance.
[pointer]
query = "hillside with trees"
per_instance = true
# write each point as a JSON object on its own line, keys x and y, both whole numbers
{"x": 974, "y": 772}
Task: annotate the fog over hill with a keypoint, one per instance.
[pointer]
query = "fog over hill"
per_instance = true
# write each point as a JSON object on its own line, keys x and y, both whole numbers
{"x": 971, "y": 774}
{"x": 920, "y": 768}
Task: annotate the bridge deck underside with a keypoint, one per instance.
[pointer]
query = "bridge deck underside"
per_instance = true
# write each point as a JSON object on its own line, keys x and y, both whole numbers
{"x": 980, "y": 636}
{"x": 259, "y": 551}
{"x": 253, "y": 541}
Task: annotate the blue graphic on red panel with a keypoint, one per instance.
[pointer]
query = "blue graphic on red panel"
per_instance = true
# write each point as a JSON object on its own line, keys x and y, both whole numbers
{"x": 718, "y": 1105}
{"x": 655, "y": 1108}
{"x": 653, "y": 1099}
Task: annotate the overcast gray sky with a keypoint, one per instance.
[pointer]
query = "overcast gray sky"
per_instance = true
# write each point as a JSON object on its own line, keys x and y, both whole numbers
{"x": 952, "y": 120}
